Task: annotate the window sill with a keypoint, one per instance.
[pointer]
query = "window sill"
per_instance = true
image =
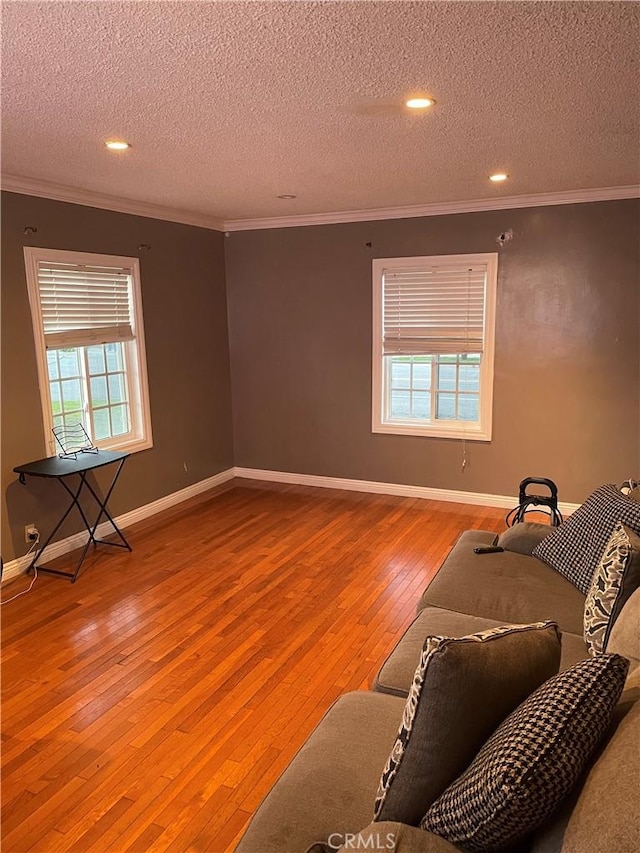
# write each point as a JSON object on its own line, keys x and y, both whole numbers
{"x": 132, "y": 446}
{"x": 470, "y": 433}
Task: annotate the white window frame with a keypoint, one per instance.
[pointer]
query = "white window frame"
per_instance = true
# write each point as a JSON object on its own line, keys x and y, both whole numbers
{"x": 135, "y": 350}
{"x": 475, "y": 431}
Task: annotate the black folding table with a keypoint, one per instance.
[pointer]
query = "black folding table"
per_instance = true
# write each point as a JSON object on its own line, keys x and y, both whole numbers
{"x": 61, "y": 468}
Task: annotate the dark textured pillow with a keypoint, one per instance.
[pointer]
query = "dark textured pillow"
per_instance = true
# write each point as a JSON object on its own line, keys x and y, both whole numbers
{"x": 461, "y": 690}
{"x": 533, "y": 759}
{"x": 616, "y": 578}
{"x": 574, "y": 548}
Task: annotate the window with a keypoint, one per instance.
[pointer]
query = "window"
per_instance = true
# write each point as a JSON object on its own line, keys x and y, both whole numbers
{"x": 87, "y": 322}
{"x": 433, "y": 331}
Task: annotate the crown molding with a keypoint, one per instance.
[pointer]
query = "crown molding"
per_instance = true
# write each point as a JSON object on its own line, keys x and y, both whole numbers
{"x": 435, "y": 209}
{"x": 74, "y": 195}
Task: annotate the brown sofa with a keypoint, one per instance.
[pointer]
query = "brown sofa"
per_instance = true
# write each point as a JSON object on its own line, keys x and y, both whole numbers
{"x": 327, "y": 793}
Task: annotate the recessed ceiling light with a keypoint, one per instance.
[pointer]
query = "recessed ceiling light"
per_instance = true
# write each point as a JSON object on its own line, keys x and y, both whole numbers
{"x": 419, "y": 103}
{"x": 287, "y": 195}
{"x": 500, "y": 176}
{"x": 117, "y": 145}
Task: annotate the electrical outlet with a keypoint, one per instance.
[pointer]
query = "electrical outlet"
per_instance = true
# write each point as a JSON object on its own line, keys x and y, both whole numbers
{"x": 30, "y": 533}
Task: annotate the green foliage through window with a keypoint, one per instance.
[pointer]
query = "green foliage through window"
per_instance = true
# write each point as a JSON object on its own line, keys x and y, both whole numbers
{"x": 89, "y": 385}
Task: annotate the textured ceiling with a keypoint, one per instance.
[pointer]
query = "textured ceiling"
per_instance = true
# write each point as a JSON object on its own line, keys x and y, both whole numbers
{"x": 229, "y": 104}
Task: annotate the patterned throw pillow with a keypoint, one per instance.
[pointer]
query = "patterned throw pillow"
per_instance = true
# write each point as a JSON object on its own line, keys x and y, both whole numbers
{"x": 533, "y": 759}
{"x": 616, "y": 577}
{"x": 461, "y": 690}
{"x": 574, "y": 548}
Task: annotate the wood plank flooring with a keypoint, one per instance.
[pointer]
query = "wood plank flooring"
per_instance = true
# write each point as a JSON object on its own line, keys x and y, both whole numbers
{"x": 150, "y": 706}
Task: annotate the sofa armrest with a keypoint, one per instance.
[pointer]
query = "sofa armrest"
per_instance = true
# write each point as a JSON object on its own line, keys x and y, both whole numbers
{"x": 524, "y": 537}
{"x": 396, "y": 838}
{"x": 476, "y": 537}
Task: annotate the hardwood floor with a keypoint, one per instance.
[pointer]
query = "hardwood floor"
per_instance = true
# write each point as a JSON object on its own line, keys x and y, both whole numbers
{"x": 150, "y": 706}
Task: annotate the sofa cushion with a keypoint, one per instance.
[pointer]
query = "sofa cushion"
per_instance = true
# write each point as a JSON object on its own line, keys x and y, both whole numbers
{"x": 524, "y": 537}
{"x": 506, "y": 587}
{"x": 396, "y": 673}
{"x": 390, "y": 837}
{"x": 533, "y": 760}
{"x": 574, "y": 549}
{"x": 624, "y": 638}
{"x": 605, "y": 816}
{"x": 601, "y": 814}
{"x": 461, "y": 690}
{"x": 331, "y": 783}
{"x": 616, "y": 577}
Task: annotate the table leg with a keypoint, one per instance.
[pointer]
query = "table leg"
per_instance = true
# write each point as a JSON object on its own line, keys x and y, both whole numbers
{"x": 104, "y": 511}
{"x": 91, "y": 529}
{"x": 40, "y": 551}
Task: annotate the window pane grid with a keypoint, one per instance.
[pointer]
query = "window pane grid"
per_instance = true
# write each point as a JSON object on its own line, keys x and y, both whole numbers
{"x": 90, "y": 384}
{"x": 432, "y": 388}
{"x": 65, "y": 386}
{"x": 108, "y": 390}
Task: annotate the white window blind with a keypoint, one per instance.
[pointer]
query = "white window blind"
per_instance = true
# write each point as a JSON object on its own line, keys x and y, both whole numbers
{"x": 83, "y": 305}
{"x": 435, "y": 310}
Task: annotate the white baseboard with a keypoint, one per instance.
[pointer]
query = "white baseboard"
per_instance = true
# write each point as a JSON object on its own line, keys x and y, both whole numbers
{"x": 64, "y": 546}
{"x": 425, "y": 492}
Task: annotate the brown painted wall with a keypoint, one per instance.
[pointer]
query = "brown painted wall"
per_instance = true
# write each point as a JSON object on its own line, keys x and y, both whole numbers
{"x": 185, "y": 318}
{"x": 567, "y": 368}
{"x": 567, "y": 381}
